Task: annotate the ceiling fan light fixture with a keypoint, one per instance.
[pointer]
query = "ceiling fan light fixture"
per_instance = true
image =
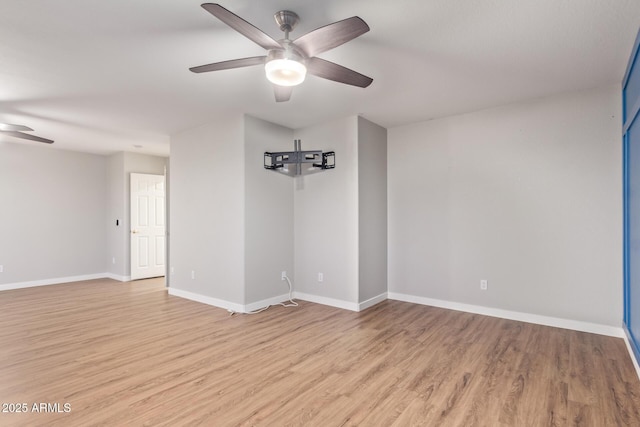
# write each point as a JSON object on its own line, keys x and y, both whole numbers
{"x": 285, "y": 72}
{"x": 288, "y": 61}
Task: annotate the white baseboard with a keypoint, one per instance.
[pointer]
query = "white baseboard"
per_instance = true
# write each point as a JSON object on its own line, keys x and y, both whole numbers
{"x": 631, "y": 353}
{"x": 347, "y": 305}
{"x": 372, "y": 301}
{"x": 227, "y": 305}
{"x": 56, "y": 281}
{"x": 327, "y": 301}
{"x": 265, "y": 303}
{"x": 118, "y": 277}
{"x": 557, "y": 322}
{"x": 238, "y": 308}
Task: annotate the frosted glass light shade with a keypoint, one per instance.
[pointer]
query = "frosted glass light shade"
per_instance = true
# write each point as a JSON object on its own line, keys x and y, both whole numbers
{"x": 285, "y": 72}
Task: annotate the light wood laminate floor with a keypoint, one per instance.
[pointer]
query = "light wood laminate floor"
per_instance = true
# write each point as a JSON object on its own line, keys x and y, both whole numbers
{"x": 127, "y": 354}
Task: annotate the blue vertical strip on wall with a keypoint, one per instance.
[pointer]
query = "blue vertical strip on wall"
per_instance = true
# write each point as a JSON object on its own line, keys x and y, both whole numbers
{"x": 631, "y": 198}
{"x": 625, "y": 224}
{"x": 632, "y": 236}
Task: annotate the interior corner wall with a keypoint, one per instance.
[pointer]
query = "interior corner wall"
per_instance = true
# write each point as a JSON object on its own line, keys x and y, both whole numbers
{"x": 268, "y": 213}
{"x": 526, "y": 196}
{"x": 326, "y": 215}
{"x": 53, "y": 213}
{"x": 116, "y": 234}
{"x": 372, "y": 209}
{"x": 167, "y": 188}
{"x": 207, "y": 210}
{"x": 119, "y": 167}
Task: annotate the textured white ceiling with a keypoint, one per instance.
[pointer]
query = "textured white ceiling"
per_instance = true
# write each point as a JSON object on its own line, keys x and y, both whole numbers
{"x": 103, "y": 76}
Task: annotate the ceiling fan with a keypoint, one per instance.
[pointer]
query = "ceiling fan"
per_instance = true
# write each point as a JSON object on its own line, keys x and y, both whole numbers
{"x": 18, "y": 132}
{"x": 288, "y": 61}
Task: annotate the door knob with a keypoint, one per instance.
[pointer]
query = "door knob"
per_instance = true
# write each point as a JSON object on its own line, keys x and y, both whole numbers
{"x": 134, "y": 231}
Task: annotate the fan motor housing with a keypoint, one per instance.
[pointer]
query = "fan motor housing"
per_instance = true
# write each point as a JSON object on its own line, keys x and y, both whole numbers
{"x": 286, "y": 20}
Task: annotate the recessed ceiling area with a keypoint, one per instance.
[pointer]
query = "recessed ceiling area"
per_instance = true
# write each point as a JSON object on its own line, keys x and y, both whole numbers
{"x": 102, "y": 77}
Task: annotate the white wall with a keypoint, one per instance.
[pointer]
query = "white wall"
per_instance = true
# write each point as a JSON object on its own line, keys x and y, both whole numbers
{"x": 207, "y": 209}
{"x": 326, "y": 214}
{"x": 268, "y": 213}
{"x": 305, "y": 225}
{"x": 116, "y": 234}
{"x": 372, "y": 208}
{"x": 52, "y": 213}
{"x": 527, "y": 196}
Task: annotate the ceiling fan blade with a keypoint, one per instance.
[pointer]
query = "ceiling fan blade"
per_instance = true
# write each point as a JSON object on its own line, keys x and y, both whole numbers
{"x": 240, "y": 25}
{"x": 283, "y": 93}
{"x": 337, "y": 73}
{"x": 7, "y": 126}
{"x": 333, "y": 35}
{"x": 26, "y": 136}
{"x": 225, "y": 65}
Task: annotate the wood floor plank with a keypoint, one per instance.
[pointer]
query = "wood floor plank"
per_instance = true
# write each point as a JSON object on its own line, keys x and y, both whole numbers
{"x": 129, "y": 354}
{"x": 557, "y": 408}
{"x": 583, "y": 415}
{"x": 581, "y": 388}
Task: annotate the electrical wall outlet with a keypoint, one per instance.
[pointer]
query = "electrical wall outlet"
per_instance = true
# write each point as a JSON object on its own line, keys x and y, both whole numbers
{"x": 283, "y": 276}
{"x": 1, "y": 268}
{"x": 172, "y": 270}
{"x": 483, "y": 284}
{"x": 320, "y": 277}
{"x": 193, "y": 274}
{"x": 113, "y": 260}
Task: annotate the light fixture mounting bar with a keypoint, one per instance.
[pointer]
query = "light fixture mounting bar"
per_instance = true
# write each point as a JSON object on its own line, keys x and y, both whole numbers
{"x": 291, "y": 162}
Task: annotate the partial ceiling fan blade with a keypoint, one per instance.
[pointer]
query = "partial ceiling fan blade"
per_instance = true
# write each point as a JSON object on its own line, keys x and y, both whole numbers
{"x": 333, "y": 35}
{"x": 226, "y": 65}
{"x": 283, "y": 93}
{"x": 243, "y": 27}
{"x": 26, "y": 136}
{"x": 337, "y": 73}
{"x": 7, "y": 126}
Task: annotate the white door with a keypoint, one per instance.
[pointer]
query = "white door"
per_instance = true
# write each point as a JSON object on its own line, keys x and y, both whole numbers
{"x": 147, "y": 226}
